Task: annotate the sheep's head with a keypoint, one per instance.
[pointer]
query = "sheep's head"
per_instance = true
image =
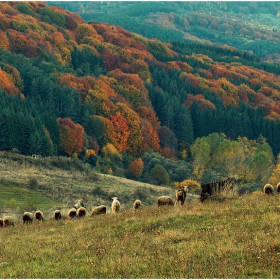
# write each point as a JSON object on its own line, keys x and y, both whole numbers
{"x": 114, "y": 198}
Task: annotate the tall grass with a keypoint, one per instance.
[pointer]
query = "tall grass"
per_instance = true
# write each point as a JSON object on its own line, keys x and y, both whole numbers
{"x": 235, "y": 238}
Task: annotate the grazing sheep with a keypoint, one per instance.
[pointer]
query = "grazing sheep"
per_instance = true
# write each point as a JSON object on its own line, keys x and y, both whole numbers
{"x": 1, "y": 222}
{"x": 137, "y": 204}
{"x": 116, "y": 206}
{"x": 39, "y": 215}
{"x": 27, "y": 217}
{"x": 99, "y": 210}
{"x": 81, "y": 212}
{"x": 278, "y": 188}
{"x": 268, "y": 189}
{"x": 57, "y": 215}
{"x": 165, "y": 200}
{"x": 8, "y": 221}
{"x": 72, "y": 213}
{"x": 181, "y": 195}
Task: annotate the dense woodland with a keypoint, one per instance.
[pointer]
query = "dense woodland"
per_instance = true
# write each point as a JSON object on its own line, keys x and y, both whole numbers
{"x": 131, "y": 106}
{"x": 252, "y": 26}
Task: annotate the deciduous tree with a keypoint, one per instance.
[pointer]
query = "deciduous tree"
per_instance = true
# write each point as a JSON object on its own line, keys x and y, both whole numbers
{"x": 71, "y": 136}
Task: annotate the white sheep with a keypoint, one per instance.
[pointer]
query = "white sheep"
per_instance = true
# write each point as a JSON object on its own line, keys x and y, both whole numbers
{"x": 57, "y": 215}
{"x": 72, "y": 212}
{"x": 268, "y": 189}
{"x": 39, "y": 215}
{"x": 165, "y": 200}
{"x": 102, "y": 209}
{"x": 8, "y": 221}
{"x": 116, "y": 206}
{"x": 137, "y": 204}
{"x": 27, "y": 217}
{"x": 81, "y": 212}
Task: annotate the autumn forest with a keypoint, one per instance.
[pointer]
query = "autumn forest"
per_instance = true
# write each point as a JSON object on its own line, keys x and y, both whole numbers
{"x": 153, "y": 111}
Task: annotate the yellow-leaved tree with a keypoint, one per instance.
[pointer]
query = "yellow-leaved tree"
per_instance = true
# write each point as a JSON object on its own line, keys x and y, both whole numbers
{"x": 275, "y": 177}
{"x": 200, "y": 151}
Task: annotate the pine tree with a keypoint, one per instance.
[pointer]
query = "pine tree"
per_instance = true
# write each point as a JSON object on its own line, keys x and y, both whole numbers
{"x": 4, "y": 144}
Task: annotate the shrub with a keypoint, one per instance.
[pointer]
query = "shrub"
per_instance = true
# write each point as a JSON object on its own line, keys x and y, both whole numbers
{"x": 33, "y": 183}
{"x": 94, "y": 177}
{"x": 159, "y": 175}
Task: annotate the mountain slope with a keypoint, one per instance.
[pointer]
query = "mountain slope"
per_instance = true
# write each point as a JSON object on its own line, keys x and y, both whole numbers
{"x": 111, "y": 97}
{"x": 251, "y": 26}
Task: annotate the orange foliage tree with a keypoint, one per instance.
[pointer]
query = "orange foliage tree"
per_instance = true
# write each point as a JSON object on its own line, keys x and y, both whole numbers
{"x": 4, "y": 42}
{"x": 18, "y": 41}
{"x": 220, "y": 71}
{"x": 121, "y": 131}
{"x": 74, "y": 82}
{"x": 136, "y": 168}
{"x": 135, "y": 139}
{"x": 201, "y": 101}
{"x": 71, "y": 136}
{"x": 150, "y": 126}
{"x": 7, "y": 83}
{"x": 15, "y": 76}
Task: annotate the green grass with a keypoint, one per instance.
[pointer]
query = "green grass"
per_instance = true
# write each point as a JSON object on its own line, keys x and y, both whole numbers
{"x": 236, "y": 238}
{"x": 19, "y": 197}
{"x": 46, "y": 183}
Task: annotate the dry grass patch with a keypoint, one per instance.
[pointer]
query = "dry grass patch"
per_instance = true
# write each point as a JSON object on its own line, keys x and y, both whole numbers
{"x": 66, "y": 186}
{"x": 231, "y": 239}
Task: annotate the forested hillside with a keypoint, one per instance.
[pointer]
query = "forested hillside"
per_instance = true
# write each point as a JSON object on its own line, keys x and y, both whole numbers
{"x": 131, "y": 106}
{"x": 248, "y": 25}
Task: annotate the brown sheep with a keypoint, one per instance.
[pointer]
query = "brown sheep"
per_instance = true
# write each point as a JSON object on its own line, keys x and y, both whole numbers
{"x": 181, "y": 195}
{"x": 27, "y": 217}
{"x": 165, "y": 200}
{"x": 39, "y": 215}
{"x": 1, "y": 222}
{"x": 72, "y": 213}
{"x": 278, "y": 188}
{"x": 57, "y": 215}
{"x": 8, "y": 221}
{"x": 137, "y": 204}
{"x": 268, "y": 189}
{"x": 102, "y": 209}
{"x": 116, "y": 206}
{"x": 81, "y": 212}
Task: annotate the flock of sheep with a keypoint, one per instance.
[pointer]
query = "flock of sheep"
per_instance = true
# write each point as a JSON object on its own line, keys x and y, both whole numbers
{"x": 28, "y": 217}
{"x": 268, "y": 188}
{"x": 181, "y": 195}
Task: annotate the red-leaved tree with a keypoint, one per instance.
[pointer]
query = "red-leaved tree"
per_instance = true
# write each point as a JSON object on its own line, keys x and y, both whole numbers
{"x": 136, "y": 168}
{"x": 71, "y": 136}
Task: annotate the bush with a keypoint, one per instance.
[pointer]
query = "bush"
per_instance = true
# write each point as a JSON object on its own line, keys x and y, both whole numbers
{"x": 33, "y": 183}
{"x": 94, "y": 177}
{"x": 159, "y": 175}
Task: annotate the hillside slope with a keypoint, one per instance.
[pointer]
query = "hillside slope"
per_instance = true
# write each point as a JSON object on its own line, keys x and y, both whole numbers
{"x": 238, "y": 238}
{"x": 28, "y": 184}
{"x": 116, "y": 99}
{"x": 251, "y": 26}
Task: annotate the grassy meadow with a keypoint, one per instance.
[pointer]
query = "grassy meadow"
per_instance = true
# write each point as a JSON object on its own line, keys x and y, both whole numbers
{"x": 28, "y": 184}
{"x": 235, "y": 238}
